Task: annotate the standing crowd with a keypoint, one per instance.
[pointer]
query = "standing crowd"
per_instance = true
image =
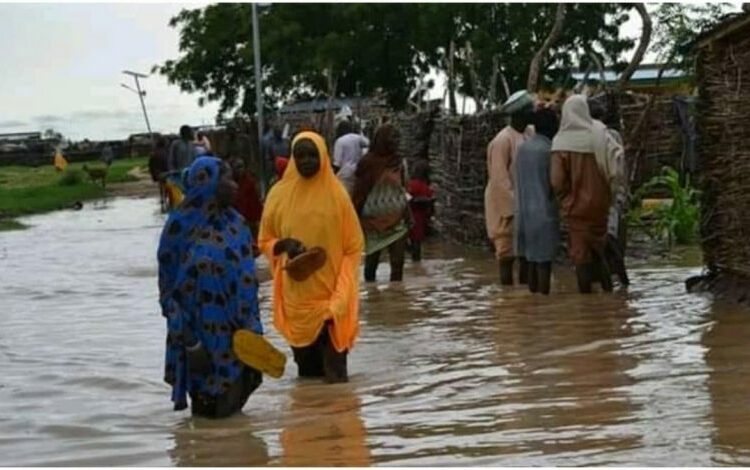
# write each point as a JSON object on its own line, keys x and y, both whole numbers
{"x": 544, "y": 172}
{"x": 323, "y": 214}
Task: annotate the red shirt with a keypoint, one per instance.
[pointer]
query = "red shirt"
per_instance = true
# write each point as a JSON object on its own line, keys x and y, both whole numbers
{"x": 420, "y": 212}
{"x": 248, "y": 201}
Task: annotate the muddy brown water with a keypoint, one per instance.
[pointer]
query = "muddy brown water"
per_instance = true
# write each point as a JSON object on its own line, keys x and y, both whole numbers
{"x": 450, "y": 368}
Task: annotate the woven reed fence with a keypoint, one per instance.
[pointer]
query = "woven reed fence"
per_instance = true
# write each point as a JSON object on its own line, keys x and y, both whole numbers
{"x": 652, "y": 135}
{"x": 416, "y": 131}
{"x": 724, "y": 146}
{"x": 459, "y": 168}
{"x": 456, "y": 147}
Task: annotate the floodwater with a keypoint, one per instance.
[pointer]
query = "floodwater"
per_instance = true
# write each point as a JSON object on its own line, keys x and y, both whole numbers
{"x": 450, "y": 368}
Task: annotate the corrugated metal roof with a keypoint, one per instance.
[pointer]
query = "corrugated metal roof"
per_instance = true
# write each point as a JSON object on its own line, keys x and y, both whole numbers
{"x": 323, "y": 104}
{"x": 643, "y": 74}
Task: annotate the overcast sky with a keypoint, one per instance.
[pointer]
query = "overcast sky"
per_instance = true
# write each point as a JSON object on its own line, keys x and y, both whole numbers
{"x": 61, "y": 68}
{"x": 62, "y": 63}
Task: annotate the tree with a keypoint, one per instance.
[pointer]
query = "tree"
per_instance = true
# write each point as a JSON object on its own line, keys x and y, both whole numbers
{"x": 307, "y": 50}
{"x": 677, "y": 26}
{"x": 642, "y": 46}
{"x": 495, "y": 43}
{"x": 552, "y": 38}
{"x": 51, "y": 134}
{"x": 332, "y": 50}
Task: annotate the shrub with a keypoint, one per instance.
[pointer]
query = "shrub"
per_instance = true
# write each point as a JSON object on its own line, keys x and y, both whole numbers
{"x": 677, "y": 221}
{"x": 71, "y": 178}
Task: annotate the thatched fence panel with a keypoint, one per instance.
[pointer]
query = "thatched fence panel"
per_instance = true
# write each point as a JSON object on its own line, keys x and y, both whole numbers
{"x": 724, "y": 146}
{"x": 460, "y": 171}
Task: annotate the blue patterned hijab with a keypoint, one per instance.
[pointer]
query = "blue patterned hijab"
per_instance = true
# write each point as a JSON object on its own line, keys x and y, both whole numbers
{"x": 207, "y": 284}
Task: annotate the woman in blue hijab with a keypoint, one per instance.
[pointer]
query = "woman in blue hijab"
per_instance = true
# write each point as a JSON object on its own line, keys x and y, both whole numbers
{"x": 208, "y": 290}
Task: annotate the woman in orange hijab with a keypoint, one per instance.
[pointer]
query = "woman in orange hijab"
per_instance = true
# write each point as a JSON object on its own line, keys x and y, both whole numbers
{"x": 317, "y": 313}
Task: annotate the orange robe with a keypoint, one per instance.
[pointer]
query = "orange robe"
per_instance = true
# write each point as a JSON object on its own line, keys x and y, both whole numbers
{"x": 318, "y": 212}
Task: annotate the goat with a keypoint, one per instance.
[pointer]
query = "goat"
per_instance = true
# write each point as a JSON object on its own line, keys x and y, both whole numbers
{"x": 97, "y": 174}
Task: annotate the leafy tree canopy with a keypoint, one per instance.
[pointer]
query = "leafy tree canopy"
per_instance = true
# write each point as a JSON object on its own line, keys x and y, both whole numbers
{"x": 348, "y": 49}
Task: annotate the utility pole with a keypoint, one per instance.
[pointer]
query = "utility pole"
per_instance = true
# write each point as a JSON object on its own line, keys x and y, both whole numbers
{"x": 140, "y": 94}
{"x": 259, "y": 98}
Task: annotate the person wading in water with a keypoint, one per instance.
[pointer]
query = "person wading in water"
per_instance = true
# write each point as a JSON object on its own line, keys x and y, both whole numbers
{"x": 581, "y": 180}
{"x": 310, "y": 235}
{"x": 380, "y": 199}
{"x": 207, "y": 291}
{"x": 537, "y": 221}
{"x": 498, "y": 195}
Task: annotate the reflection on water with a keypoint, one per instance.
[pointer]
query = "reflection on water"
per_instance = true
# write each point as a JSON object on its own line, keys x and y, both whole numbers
{"x": 728, "y": 359}
{"x": 322, "y": 427}
{"x": 450, "y": 368}
{"x": 222, "y": 443}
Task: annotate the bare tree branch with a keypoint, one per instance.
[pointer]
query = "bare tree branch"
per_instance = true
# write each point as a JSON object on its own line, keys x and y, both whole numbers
{"x": 452, "y": 78}
{"x": 599, "y": 67}
{"x": 554, "y": 34}
{"x": 504, "y": 81}
{"x": 642, "y": 46}
{"x": 476, "y": 89}
{"x": 493, "y": 81}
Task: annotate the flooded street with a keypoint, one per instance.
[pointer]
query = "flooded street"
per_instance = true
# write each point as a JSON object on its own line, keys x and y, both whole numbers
{"x": 449, "y": 369}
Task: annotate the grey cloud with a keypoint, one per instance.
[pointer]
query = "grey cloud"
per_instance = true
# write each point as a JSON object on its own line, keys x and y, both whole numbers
{"x": 48, "y": 119}
{"x": 102, "y": 114}
{"x": 11, "y": 123}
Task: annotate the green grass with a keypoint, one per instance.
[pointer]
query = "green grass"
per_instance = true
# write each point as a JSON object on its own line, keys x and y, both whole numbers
{"x": 10, "y": 224}
{"x": 27, "y": 190}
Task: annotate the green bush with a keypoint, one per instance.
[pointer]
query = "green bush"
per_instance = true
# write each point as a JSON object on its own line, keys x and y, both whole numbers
{"x": 71, "y": 178}
{"x": 678, "y": 221}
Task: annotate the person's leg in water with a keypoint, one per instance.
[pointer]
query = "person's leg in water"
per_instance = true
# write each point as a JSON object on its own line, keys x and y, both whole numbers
{"x": 416, "y": 251}
{"x": 506, "y": 271}
{"x": 523, "y": 270}
{"x": 309, "y": 359}
{"x": 231, "y": 401}
{"x": 533, "y": 277}
{"x": 585, "y": 276}
{"x": 371, "y": 266}
{"x": 334, "y": 362}
{"x": 616, "y": 260}
{"x": 396, "y": 255}
{"x": 601, "y": 271}
{"x": 580, "y": 250}
{"x": 544, "y": 277}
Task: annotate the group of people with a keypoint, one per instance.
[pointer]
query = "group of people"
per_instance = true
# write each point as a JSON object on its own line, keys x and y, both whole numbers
{"x": 543, "y": 171}
{"x": 313, "y": 227}
{"x": 324, "y": 214}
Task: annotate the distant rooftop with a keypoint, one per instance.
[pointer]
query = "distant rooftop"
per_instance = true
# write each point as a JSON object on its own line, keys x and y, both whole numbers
{"x": 323, "y": 104}
{"x": 645, "y": 73}
{"x": 20, "y": 136}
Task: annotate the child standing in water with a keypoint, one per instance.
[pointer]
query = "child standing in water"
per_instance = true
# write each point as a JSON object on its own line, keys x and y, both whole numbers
{"x": 422, "y": 207}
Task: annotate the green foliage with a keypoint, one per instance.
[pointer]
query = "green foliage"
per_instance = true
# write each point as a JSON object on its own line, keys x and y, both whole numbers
{"x": 306, "y": 49}
{"x": 678, "y": 24}
{"x": 349, "y": 48}
{"x": 11, "y": 224}
{"x": 37, "y": 199}
{"x": 71, "y": 177}
{"x": 678, "y": 221}
{"x": 512, "y": 33}
{"x": 29, "y": 190}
